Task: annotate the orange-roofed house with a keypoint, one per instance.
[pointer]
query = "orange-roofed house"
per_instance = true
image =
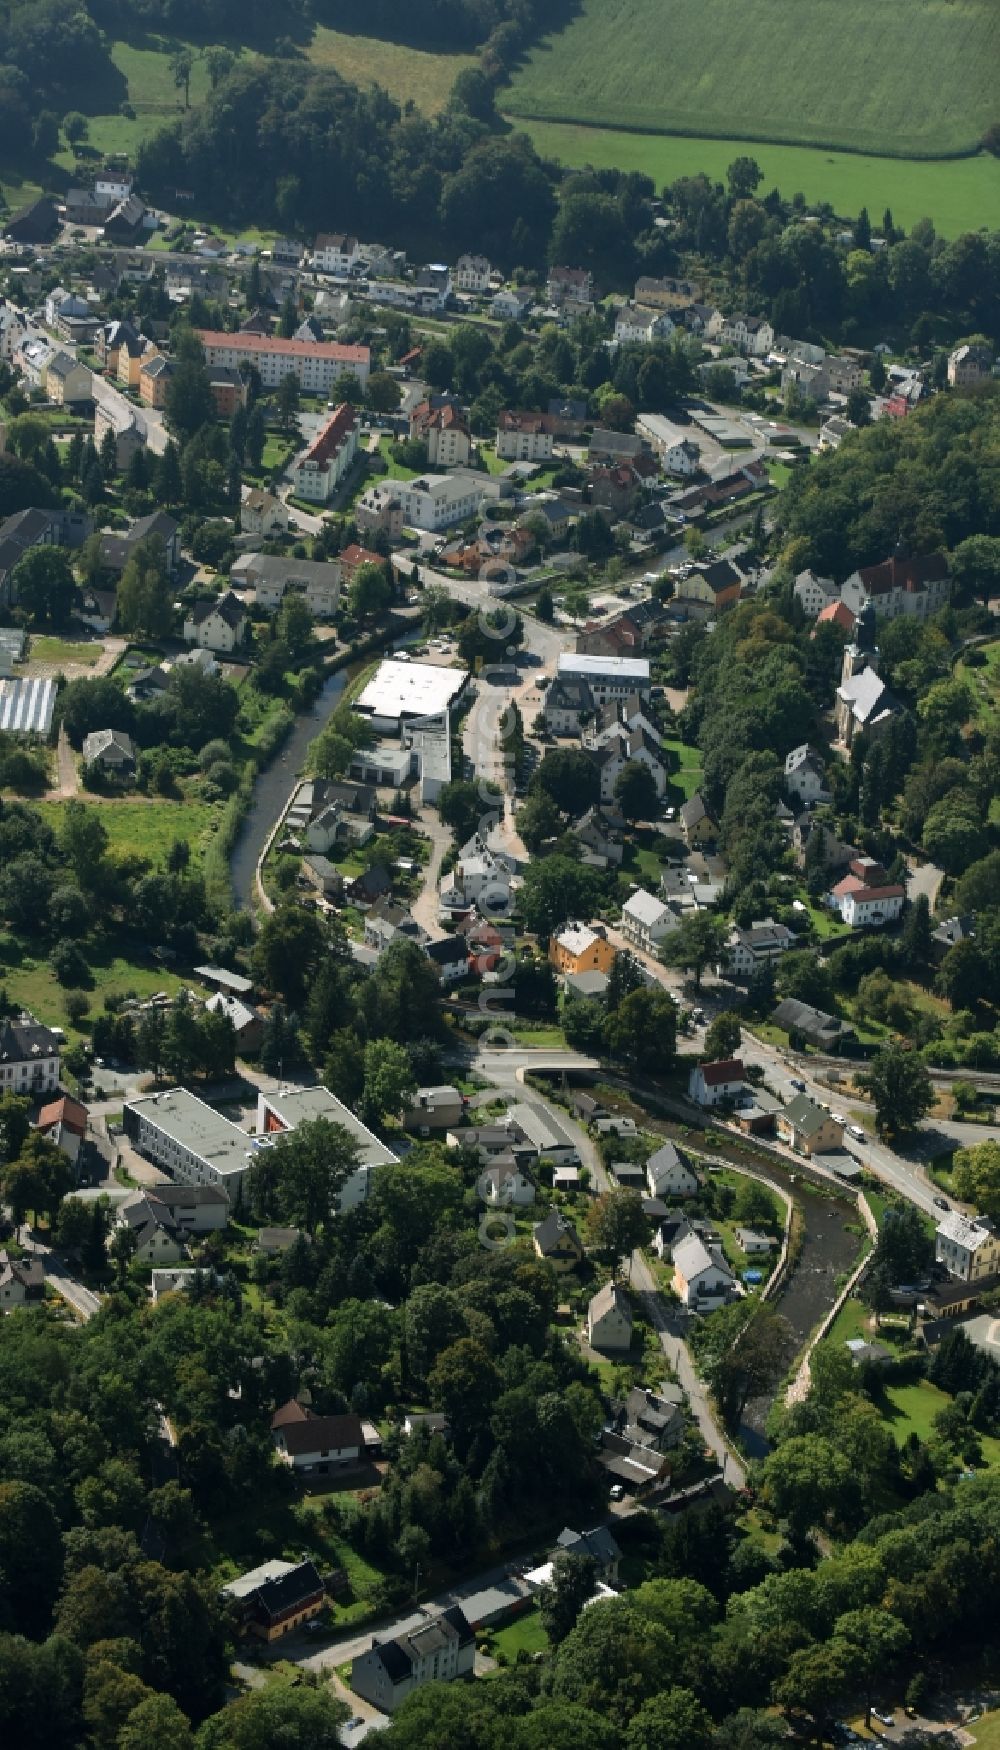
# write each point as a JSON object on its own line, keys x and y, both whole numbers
{"x": 836, "y": 614}
{"x": 317, "y": 473}
{"x": 712, "y": 1084}
{"x": 866, "y": 896}
{"x": 353, "y": 556}
{"x": 64, "y": 1122}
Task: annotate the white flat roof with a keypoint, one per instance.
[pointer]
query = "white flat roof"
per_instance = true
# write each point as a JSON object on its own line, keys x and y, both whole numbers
{"x": 624, "y": 667}
{"x": 295, "y": 1106}
{"x": 188, "y": 1121}
{"x": 411, "y": 689}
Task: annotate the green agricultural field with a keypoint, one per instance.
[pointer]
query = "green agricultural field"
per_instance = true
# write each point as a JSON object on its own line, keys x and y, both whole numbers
{"x": 785, "y": 70}
{"x": 959, "y": 194}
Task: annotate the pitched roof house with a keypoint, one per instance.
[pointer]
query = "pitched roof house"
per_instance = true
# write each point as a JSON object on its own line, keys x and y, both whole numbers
{"x": 609, "y": 1320}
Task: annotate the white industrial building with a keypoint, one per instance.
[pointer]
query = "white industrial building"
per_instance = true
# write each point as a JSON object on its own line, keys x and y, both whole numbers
{"x": 189, "y": 1140}
{"x": 401, "y": 692}
{"x": 280, "y": 1113}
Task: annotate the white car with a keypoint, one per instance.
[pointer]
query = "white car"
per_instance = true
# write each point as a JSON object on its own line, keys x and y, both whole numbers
{"x": 856, "y": 1131}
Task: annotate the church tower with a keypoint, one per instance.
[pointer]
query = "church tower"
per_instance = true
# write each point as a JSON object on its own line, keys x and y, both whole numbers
{"x": 862, "y": 652}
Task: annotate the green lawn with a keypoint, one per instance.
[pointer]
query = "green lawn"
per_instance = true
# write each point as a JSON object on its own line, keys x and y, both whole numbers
{"x": 701, "y": 66}
{"x": 688, "y": 774}
{"x": 851, "y": 1321}
{"x": 31, "y": 981}
{"x": 958, "y": 194}
{"x": 81, "y": 651}
{"x": 394, "y": 470}
{"x": 406, "y": 73}
{"x": 525, "y": 1634}
{"x": 912, "y": 1409}
{"x": 148, "y": 827}
{"x": 984, "y": 685}
{"x": 985, "y": 1733}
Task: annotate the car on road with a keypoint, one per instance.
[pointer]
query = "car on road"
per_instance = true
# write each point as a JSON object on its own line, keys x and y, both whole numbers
{"x": 617, "y": 1492}
{"x": 884, "y": 1719}
{"x": 799, "y": 1086}
{"x": 941, "y": 1203}
{"x": 856, "y": 1131}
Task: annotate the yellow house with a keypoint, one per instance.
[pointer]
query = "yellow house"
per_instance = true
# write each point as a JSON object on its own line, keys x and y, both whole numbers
{"x": 697, "y": 824}
{"x": 810, "y": 1129}
{"x": 578, "y": 948}
{"x": 133, "y": 353}
{"x": 557, "y": 1241}
{"x": 155, "y": 373}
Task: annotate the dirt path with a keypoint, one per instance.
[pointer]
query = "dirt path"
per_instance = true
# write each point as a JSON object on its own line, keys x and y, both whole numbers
{"x": 67, "y": 775}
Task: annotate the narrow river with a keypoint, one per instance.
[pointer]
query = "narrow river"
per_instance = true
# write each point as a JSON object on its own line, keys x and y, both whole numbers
{"x": 273, "y": 785}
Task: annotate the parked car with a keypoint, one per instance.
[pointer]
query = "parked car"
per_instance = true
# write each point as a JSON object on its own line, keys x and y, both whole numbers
{"x": 799, "y": 1086}
{"x": 942, "y": 1203}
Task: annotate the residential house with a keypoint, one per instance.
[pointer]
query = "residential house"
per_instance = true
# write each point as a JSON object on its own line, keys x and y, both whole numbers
{"x": 754, "y": 1244}
{"x": 117, "y": 550}
{"x": 126, "y": 221}
{"x": 67, "y": 382}
{"x": 512, "y": 303}
{"x": 336, "y": 252}
{"x": 315, "y": 363}
{"x": 471, "y": 273}
{"x": 111, "y": 751}
{"x": 713, "y": 1084}
{"x": 481, "y": 877}
{"x": 493, "y": 1142}
{"x": 22, "y": 1281}
{"x": 263, "y": 514}
{"x": 436, "y": 501}
{"x": 317, "y": 473}
{"x": 865, "y": 897}
{"x": 187, "y": 1209}
{"x": 370, "y": 886}
{"x": 108, "y": 416}
{"x": 749, "y": 951}
{"x": 442, "y": 426}
{"x": 655, "y": 1417}
{"x": 228, "y": 388}
{"x": 696, "y": 823}
{"x": 439, "y": 1650}
{"x": 814, "y": 593}
{"x": 718, "y": 585}
{"x": 64, "y": 1122}
{"x": 157, "y": 1241}
{"x": 636, "y": 325}
{"x": 668, "y": 1173}
{"x": 609, "y": 1320}
{"x": 835, "y": 614}
{"x": 504, "y": 1185}
{"x": 673, "y": 444}
{"x": 570, "y": 285}
{"x": 812, "y": 1025}
{"x": 317, "y": 1445}
{"x": 808, "y": 1128}
{"x": 220, "y": 624}
{"x": 538, "y": 1128}
{"x": 630, "y": 747}
{"x": 969, "y": 365}
{"x": 29, "y": 1057}
{"x": 614, "y": 446}
{"x": 388, "y": 919}
{"x": 134, "y": 351}
{"x": 321, "y": 875}
{"x": 917, "y": 587}
{"x": 667, "y": 293}
{"x": 646, "y": 921}
{"x": 434, "y": 281}
{"x": 247, "y": 1025}
{"x": 155, "y": 373}
{"x": 599, "y": 838}
{"x": 276, "y": 1598}
{"x": 568, "y": 702}
{"x": 750, "y": 335}
{"x": 598, "y": 1544}
{"x": 805, "y": 775}
{"x": 578, "y": 948}
{"x": 436, "y": 1108}
{"x": 702, "y": 1278}
{"x": 557, "y": 1242}
{"x": 449, "y": 955}
{"x": 524, "y": 437}
{"x": 949, "y": 933}
{"x": 271, "y": 577}
{"x": 969, "y": 1248}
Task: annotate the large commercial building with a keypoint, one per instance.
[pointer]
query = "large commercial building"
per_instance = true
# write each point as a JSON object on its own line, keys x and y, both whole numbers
{"x": 436, "y": 501}
{"x": 608, "y": 677}
{"x": 282, "y": 1112}
{"x": 316, "y": 363}
{"x": 403, "y": 692}
{"x": 317, "y": 473}
{"x": 189, "y": 1140}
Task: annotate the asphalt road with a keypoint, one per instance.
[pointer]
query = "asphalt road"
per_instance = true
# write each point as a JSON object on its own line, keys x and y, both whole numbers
{"x": 84, "y": 1303}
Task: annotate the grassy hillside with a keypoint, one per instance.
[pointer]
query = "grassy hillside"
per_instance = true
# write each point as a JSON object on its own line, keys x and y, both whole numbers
{"x": 959, "y": 194}
{"x": 906, "y": 77}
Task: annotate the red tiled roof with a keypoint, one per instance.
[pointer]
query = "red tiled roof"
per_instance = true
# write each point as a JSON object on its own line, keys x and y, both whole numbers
{"x": 353, "y": 556}
{"x": 65, "y": 1111}
{"x": 262, "y": 343}
{"x": 836, "y": 614}
{"x": 333, "y": 435}
{"x": 728, "y": 1069}
{"x": 912, "y": 575}
{"x": 527, "y": 422}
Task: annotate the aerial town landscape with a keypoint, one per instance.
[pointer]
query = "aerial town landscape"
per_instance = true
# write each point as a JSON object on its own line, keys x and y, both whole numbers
{"x": 499, "y": 875}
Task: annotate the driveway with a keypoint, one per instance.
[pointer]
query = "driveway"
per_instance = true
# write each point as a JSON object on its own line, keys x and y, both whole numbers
{"x": 425, "y": 906}
{"x": 923, "y": 878}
